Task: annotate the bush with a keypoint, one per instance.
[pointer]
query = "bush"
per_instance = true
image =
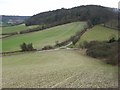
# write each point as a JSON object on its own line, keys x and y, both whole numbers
{"x": 114, "y": 57}
{"x": 111, "y": 40}
{"x": 47, "y": 47}
{"x": 23, "y": 47}
{"x": 108, "y": 51}
{"x": 27, "y": 47}
{"x": 30, "y": 47}
{"x": 98, "y": 53}
{"x": 98, "y": 49}
{"x": 59, "y": 44}
{"x": 112, "y": 60}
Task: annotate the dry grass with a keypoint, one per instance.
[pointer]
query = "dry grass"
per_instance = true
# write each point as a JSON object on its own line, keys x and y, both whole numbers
{"x": 64, "y": 69}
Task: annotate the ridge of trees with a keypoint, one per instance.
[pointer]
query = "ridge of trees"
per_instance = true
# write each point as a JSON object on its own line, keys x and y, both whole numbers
{"x": 95, "y": 14}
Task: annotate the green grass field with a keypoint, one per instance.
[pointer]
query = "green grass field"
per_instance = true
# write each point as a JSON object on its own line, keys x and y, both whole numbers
{"x": 42, "y": 38}
{"x": 63, "y": 68}
{"x": 98, "y": 33}
{"x": 16, "y": 28}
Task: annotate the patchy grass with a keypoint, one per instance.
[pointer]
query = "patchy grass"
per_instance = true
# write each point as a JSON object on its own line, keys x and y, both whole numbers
{"x": 42, "y": 38}
{"x": 64, "y": 69}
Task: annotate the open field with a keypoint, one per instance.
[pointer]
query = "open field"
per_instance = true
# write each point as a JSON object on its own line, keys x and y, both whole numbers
{"x": 98, "y": 33}
{"x": 63, "y": 68}
{"x": 0, "y": 72}
{"x": 42, "y": 38}
{"x": 16, "y": 28}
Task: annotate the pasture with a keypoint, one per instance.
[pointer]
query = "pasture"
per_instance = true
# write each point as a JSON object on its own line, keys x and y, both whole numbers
{"x": 98, "y": 33}
{"x": 57, "y": 68}
{"x": 61, "y": 69}
{"x": 42, "y": 38}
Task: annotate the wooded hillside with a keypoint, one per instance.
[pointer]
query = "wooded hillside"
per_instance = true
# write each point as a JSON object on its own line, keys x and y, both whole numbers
{"x": 95, "y": 14}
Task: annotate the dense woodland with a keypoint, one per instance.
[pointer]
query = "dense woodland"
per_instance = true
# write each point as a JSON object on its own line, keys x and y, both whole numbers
{"x": 93, "y": 13}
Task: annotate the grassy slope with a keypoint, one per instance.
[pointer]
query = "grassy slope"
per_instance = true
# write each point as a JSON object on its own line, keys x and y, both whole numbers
{"x": 41, "y": 38}
{"x": 16, "y": 28}
{"x": 99, "y": 33}
{"x": 57, "y": 69}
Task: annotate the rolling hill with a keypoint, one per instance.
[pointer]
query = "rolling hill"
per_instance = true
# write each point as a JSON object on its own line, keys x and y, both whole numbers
{"x": 68, "y": 68}
{"x": 61, "y": 67}
{"x": 42, "y": 38}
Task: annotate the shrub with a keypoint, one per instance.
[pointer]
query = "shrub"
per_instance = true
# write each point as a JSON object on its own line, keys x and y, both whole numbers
{"x": 113, "y": 59}
{"x": 108, "y": 51}
{"x": 23, "y": 47}
{"x": 98, "y": 49}
{"x": 90, "y": 44}
{"x": 47, "y": 47}
{"x": 112, "y": 40}
{"x": 30, "y": 47}
{"x": 27, "y": 47}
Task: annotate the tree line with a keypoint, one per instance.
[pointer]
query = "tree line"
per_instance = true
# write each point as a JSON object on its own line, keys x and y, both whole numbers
{"x": 95, "y": 14}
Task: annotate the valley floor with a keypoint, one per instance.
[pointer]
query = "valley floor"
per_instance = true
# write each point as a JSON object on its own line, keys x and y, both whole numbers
{"x": 57, "y": 69}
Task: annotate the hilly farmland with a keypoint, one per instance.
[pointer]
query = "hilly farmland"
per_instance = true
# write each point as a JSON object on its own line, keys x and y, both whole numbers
{"x": 64, "y": 48}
